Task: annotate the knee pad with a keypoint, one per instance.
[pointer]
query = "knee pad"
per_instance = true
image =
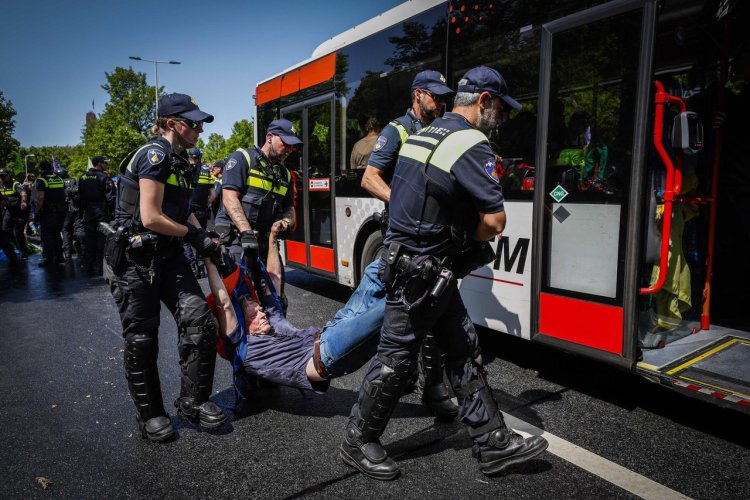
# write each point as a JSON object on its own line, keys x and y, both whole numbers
{"x": 141, "y": 345}
{"x": 201, "y": 332}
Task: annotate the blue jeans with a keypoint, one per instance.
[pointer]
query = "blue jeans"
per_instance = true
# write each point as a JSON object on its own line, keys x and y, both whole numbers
{"x": 351, "y": 337}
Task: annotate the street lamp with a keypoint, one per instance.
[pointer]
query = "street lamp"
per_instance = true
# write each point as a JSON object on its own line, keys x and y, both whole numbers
{"x": 26, "y": 164}
{"x": 156, "y": 74}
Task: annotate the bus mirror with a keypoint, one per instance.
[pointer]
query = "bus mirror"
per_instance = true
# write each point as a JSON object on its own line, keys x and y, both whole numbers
{"x": 687, "y": 133}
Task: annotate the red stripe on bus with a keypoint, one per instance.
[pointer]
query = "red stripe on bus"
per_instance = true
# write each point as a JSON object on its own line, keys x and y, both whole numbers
{"x": 322, "y": 258}
{"x": 296, "y": 252}
{"x": 496, "y": 279}
{"x": 582, "y": 322}
{"x": 316, "y": 72}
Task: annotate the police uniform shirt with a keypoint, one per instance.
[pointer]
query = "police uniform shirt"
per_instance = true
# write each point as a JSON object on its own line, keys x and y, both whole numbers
{"x": 202, "y": 185}
{"x": 385, "y": 153}
{"x": 472, "y": 171}
{"x": 11, "y": 192}
{"x": 154, "y": 163}
{"x": 234, "y": 178}
{"x": 53, "y": 188}
{"x": 95, "y": 187}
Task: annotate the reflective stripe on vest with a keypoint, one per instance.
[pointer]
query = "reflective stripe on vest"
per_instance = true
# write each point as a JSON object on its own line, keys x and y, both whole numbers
{"x": 423, "y": 149}
{"x": 53, "y": 182}
{"x": 8, "y": 191}
{"x": 402, "y": 132}
{"x": 204, "y": 178}
{"x": 259, "y": 180}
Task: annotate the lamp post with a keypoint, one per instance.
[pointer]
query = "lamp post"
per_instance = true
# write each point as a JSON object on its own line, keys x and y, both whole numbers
{"x": 156, "y": 75}
{"x": 26, "y": 164}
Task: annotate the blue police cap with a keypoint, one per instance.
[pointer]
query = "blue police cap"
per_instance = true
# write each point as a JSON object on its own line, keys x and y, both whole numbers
{"x": 97, "y": 159}
{"x": 194, "y": 152}
{"x": 484, "y": 79}
{"x": 431, "y": 80}
{"x": 285, "y": 130}
{"x": 182, "y": 106}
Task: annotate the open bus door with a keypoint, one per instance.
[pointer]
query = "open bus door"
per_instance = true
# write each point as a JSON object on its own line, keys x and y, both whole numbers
{"x": 601, "y": 115}
{"x": 593, "y": 101}
{"x": 311, "y": 244}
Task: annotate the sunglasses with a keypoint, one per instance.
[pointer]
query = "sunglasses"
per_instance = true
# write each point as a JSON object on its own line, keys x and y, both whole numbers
{"x": 434, "y": 97}
{"x": 190, "y": 123}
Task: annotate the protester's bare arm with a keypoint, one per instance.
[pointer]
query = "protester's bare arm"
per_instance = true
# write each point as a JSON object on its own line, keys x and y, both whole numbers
{"x": 273, "y": 262}
{"x": 227, "y": 317}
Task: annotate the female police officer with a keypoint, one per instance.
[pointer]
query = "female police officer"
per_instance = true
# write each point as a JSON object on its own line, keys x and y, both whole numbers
{"x": 153, "y": 208}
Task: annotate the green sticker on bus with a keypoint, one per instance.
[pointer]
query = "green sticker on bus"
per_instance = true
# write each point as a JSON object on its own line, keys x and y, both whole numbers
{"x": 558, "y": 194}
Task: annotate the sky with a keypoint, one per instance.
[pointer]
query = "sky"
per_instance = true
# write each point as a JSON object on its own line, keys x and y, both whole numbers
{"x": 54, "y": 53}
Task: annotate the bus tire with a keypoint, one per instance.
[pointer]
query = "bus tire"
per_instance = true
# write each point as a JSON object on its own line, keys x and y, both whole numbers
{"x": 371, "y": 250}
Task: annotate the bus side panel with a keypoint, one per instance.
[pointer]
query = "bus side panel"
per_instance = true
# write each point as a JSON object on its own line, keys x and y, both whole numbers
{"x": 351, "y": 213}
{"x": 498, "y": 295}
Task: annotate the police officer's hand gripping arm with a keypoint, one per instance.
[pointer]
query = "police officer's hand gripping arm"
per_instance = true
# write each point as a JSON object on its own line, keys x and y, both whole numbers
{"x": 233, "y": 207}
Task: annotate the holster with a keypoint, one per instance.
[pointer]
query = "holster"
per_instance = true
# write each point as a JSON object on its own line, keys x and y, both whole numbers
{"x": 115, "y": 245}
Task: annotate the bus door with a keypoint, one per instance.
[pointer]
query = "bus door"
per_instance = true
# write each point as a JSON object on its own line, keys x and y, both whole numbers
{"x": 310, "y": 245}
{"x": 593, "y": 107}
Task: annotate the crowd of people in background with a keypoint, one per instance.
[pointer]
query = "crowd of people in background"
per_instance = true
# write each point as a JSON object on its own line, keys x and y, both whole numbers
{"x": 56, "y": 215}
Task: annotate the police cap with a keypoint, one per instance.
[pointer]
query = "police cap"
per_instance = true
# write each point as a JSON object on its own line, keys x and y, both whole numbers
{"x": 484, "y": 79}
{"x": 285, "y": 130}
{"x": 431, "y": 80}
{"x": 182, "y": 106}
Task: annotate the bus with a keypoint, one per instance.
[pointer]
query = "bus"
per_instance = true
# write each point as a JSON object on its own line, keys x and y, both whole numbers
{"x": 622, "y": 172}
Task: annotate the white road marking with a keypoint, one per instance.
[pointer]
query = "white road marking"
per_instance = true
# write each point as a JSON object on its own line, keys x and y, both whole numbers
{"x": 606, "y": 469}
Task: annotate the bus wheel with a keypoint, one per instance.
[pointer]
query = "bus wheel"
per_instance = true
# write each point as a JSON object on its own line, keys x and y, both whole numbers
{"x": 371, "y": 250}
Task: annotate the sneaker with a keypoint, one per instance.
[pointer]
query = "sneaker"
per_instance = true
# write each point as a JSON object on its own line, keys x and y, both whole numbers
{"x": 504, "y": 448}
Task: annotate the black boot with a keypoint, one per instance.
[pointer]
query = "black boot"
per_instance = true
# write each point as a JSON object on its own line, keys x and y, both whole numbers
{"x": 435, "y": 394}
{"x": 504, "y": 447}
{"x": 378, "y": 396}
{"x": 141, "y": 351}
{"x": 207, "y": 414}
{"x": 156, "y": 429}
{"x": 370, "y": 458}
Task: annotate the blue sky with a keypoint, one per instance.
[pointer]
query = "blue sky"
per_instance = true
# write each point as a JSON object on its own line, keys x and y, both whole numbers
{"x": 54, "y": 53}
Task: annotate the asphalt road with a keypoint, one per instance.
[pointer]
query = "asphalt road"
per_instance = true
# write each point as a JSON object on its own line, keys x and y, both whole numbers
{"x": 67, "y": 417}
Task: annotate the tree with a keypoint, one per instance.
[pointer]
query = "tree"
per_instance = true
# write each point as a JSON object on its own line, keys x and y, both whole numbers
{"x": 124, "y": 124}
{"x": 8, "y": 145}
{"x": 242, "y": 136}
{"x": 214, "y": 148}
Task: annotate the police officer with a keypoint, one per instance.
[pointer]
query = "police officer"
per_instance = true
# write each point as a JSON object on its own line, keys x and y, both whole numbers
{"x": 71, "y": 239}
{"x": 13, "y": 201}
{"x": 51, "y": 208}
{"x": 153, "y": 196}
{"x": 444, "y": 198}
{"x": 16, "y": 213}
{"x": 97, "y": 194}
{"x": 429, "y": 94}
{"x": 203, "y": 193}
{"x": 257, "y": 191}
{"x": 216, "y": 172}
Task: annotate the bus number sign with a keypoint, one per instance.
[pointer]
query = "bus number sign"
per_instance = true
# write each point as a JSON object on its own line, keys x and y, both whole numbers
{"x": 558, "y": 194}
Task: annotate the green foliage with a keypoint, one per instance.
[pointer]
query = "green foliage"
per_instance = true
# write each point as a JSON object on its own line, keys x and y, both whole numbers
{"x": 242, "y": 137}
{"x": 214, "y": 148}
{"x": 8, "y": 145}
{"x": 69, "y": 156}
{"x": 125, "y": 122}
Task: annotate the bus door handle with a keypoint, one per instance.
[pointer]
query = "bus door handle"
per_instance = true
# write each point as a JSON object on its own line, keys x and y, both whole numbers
{"x": 673, "y": 182}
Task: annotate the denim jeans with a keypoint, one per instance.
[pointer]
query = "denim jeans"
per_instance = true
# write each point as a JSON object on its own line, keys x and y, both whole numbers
{"x": 351, "y": 337}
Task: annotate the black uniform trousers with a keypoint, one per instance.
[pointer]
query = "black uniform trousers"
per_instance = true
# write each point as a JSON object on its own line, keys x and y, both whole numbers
{"x": 402, "y": 333}
{"x": 51, "y": 222}
{"x": 93, "y": 246}
{"x": 72, "y": 233}
{"x": 139, "y": 294}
